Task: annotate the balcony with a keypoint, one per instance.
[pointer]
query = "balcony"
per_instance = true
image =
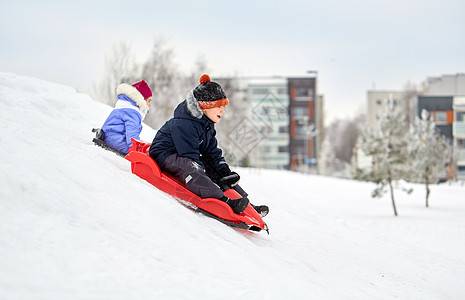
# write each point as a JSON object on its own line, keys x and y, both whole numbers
{"x": 461, "y": 156}
{"x": 458, "y": 129}
{"x": 461, "y": 172}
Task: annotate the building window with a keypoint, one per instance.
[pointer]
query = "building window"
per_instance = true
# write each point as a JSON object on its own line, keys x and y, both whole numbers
{"x": 282, "y": 91}
{"x": 265, "y": 129}
{"x": 298, "y": 111}
{"x": 301, "y": 92}
{"x": 283, "y": 129}
{"x": 283, "y": 149}
{"x": 301, "y": 130}
{"x": 440, "y": 117}
{"x": 379, "y": 102}
{"x": 460, "y": 116}
{"x": 260, "y": 91}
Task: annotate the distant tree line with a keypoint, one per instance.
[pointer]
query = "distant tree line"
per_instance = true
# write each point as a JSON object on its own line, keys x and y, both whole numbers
{"x": 159, "y": 70}
{"x": 337, "y": 153}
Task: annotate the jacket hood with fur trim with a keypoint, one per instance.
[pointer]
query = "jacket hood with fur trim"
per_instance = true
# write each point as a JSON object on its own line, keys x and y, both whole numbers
{"x": 134, "y": 94}
{"x": 193, "y": 106}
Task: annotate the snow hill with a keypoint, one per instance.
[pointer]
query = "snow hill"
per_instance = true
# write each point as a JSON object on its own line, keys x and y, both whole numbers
{"x": 76, "y": 224}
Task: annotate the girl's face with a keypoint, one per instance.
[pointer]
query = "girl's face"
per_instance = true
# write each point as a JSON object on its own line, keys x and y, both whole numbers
{"x": 148, "y": 100}
{"x": 214, "y": 113}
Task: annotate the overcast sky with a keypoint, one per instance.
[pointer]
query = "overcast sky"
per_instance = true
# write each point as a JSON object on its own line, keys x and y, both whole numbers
{"x": 354, "y": 45}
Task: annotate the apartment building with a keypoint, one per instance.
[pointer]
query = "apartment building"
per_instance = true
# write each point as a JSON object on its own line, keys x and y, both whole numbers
{"x": 379, "y": 101}
{"x": 458, "y": 132}
{"x": 282, "y": 123}
{"x": 444, "y": 98}
{"x": 269, "y": 102}
{"x": 441, "y": 110}
{"x": 306, "y": 124}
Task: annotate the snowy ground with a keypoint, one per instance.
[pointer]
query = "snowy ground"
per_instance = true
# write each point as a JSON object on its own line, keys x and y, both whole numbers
{"x": 76, "y": 224}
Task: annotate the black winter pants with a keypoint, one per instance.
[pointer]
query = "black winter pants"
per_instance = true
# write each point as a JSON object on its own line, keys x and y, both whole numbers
{"x": 193, "y": 174}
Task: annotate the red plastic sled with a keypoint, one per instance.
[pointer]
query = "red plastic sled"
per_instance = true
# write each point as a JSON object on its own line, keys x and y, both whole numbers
{"x": 146, "y": 168}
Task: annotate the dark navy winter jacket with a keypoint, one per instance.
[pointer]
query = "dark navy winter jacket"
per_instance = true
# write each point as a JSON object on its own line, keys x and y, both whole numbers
{"x": 187, "y": 136}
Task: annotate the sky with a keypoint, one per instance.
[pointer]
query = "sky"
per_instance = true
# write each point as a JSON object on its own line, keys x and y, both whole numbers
{"x": 354, "y": 46}
{"x": 75, "y": 223}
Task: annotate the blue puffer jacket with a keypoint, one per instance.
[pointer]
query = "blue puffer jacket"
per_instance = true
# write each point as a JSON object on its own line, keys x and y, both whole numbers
{"x": 189, "y": 134}
{"x": 125, "y": 121}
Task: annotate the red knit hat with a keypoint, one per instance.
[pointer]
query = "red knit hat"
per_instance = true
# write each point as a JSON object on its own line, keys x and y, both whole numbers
{"x": 143, "y": 88}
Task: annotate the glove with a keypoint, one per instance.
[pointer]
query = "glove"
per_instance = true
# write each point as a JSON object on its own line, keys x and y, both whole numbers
{"x": 224, "y": 170}
{"x": 228, "y": 178}
{"x": 233, "y": 181}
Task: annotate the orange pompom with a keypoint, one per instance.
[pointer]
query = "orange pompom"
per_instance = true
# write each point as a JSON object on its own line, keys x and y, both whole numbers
{"x": 204, "y": 78}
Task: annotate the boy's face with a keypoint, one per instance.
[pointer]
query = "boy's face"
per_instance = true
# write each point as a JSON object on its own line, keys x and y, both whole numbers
{"x": 214, "y": 113}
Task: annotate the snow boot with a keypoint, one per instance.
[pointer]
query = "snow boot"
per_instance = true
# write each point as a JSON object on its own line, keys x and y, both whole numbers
{"x": 262, "y": 210}
{"x": 238, "y": 205}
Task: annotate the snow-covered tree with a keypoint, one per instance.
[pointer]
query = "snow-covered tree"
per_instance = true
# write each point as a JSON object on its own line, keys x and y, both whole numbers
{"x": 388, "y": 149}
{"x": 427, "y": 149}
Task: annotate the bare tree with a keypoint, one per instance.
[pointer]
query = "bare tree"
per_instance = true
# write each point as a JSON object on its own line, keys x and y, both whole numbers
{"x": 200, "y": 68}
{"x": 409, "y": 99}
{"x": 158, "y": 70}
{"x": 119, "y": 67}
{"x": 341, "y": 138}
{"x": 162, "y": 76}
{"x": 237, "y": 112}
{"x": 327, "y": 158}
